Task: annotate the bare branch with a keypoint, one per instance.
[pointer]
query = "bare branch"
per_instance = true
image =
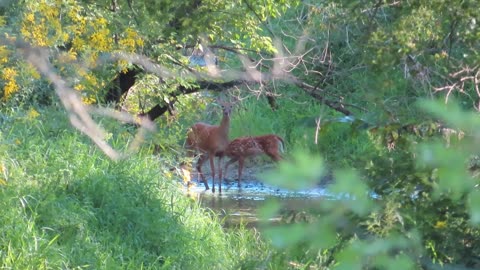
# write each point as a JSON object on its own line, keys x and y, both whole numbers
{"x": 78, "y": 114}
{"x": 465, "y": 76}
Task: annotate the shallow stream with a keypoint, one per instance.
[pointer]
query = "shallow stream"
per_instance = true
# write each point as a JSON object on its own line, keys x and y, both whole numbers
{"x": 239, "y": 205}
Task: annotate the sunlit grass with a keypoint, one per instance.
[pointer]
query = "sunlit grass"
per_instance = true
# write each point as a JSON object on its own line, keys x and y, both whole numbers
{"x": 66, "y": 205}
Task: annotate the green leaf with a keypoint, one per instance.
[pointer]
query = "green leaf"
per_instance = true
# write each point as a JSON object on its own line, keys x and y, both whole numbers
{"x": 453, "y": 179}
{"x": 301, "y": 172}
{"x": 287, "y": 235}
{"x": 349, "y": 259}
{"x": 269, "y": 210}
{"x": 323, "y": 234}
{"x": 474, "y": 207}
{"x": 353, "y": 192}
{"x": 454, "y": 115}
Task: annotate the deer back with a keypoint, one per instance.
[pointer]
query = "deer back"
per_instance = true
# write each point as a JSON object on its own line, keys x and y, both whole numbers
{"x": 244, "y": 146}
{"x": 270, "y": 144}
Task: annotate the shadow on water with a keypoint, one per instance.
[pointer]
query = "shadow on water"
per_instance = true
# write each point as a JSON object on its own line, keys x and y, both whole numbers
{"x": 239, "y": 205}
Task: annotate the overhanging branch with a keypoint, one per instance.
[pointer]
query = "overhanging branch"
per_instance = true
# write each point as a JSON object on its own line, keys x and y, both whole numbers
{"x": 335, "y": 105}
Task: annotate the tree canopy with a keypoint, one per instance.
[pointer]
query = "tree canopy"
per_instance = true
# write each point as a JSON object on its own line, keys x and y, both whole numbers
{"x": 376, "y": 65}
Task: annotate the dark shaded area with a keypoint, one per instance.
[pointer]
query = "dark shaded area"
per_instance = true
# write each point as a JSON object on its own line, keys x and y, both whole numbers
{"x": 184, "y": 12}
{"x": 158, "y": 110}
{"x": 121, "y": 84}
{"x": 125, "y": 80}
{"x": 272, "y": 102}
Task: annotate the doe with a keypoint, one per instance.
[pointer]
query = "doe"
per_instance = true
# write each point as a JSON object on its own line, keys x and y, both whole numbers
{"x": 210, "y": 141}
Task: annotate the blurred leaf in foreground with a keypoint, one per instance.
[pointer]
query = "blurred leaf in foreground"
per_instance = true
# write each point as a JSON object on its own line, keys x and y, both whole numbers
{"x": 353, "y": 193}
{"x": 300, "y": 172}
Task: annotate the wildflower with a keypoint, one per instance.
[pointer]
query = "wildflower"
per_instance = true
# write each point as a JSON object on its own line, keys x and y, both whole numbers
{"x": 9, "y": 73}
{"x": 131, "y": 40}
{"x": 72, "y": 55}
{"x": 11, "y": 85}
{"x": 101, "y": 21}
{"x": 10, "y": 88}
{"x": 32, "y": 114}
{"x": 440, "y": 225}
{"x": 79, "y": 87}
{"x": 100, "y": 40}
{"x": 88, "y": 100}
{"x": 30, "y": 17}
{"x": 78, "y": 44}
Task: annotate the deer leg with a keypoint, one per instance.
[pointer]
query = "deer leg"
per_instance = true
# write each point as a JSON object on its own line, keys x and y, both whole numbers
{"x": 200, "y": 162}
{"x": 212, "y": 168}
{"x": 275, "y": 156}
{"x": 240, "y": 168}
{"x": 220, "y": 159}
{"x": 231, "y": 161}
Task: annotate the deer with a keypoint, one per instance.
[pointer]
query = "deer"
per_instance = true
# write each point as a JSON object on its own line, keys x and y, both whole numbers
{"x": 210, "y": 141}
{"x": 244, "y": 147}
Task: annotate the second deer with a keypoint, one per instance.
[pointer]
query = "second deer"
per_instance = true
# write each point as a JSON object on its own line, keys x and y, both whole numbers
{"x": 210, "y": 141}
{"x": 244, "y": 147}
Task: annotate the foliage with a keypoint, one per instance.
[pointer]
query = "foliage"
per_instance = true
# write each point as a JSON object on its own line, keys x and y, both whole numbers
{"x": 83, "y": 36}
{"x": 423, "y": 214}
{"x": 78, "y": 34}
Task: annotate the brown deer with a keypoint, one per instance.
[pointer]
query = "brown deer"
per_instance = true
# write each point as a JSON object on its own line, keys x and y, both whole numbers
{"x": 244, "y": 147}
{"x": 210, "y": 141}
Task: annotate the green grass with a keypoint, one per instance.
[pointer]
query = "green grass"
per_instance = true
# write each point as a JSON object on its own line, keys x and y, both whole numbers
{"x": 65, "y": 205}
{"x": 341, "y": 144}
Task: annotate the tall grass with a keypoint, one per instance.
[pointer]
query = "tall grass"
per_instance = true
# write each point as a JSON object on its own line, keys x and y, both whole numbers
{"x": 66, "y": 206}
{"x": 295, "y": 121}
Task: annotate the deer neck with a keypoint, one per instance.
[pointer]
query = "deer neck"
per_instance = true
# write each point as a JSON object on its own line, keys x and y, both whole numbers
{"x": 224, "y": 126}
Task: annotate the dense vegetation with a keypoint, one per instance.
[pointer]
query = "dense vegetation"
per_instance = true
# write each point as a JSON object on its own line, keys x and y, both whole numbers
{"x": 383, "y": 95}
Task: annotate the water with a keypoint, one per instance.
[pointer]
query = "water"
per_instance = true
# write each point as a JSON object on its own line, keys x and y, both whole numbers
{"x": 239, "y": 205}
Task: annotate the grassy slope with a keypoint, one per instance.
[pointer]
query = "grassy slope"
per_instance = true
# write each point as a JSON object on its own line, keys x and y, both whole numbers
{"x": 65, "y": 205}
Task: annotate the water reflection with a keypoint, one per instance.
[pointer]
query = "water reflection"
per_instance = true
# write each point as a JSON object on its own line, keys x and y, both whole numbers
{"x": 239, "y": 205}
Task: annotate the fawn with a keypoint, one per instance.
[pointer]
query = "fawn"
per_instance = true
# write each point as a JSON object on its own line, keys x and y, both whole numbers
{"x": 250, "y": 146}
{"x": 210, "y": 141}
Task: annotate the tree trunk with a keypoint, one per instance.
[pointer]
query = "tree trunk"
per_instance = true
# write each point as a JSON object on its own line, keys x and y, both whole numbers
{"x": 158, "y": 110}
{"x": 121, "y": 84}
